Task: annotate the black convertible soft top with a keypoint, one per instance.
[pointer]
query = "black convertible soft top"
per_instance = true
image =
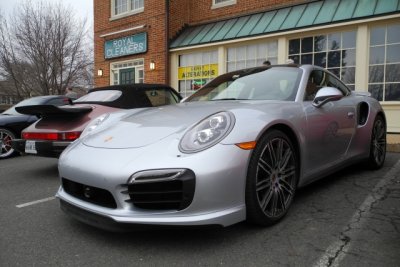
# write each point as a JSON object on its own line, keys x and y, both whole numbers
{"x": 133, "y": 95}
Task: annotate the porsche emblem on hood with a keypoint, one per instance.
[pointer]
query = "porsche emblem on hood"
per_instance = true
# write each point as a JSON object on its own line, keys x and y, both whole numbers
{"x": 107, "y": 139}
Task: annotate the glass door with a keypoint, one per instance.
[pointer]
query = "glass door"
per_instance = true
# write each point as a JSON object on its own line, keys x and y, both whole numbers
{"x": 127, "y": 76}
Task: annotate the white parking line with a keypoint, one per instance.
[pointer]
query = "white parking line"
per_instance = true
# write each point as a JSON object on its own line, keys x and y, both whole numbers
{"x": 35, "y": 202}
{"x": 336, "y": 252}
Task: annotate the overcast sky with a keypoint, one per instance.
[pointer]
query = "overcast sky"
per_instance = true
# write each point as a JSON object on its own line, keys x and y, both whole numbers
{"x": 84, "y": 8}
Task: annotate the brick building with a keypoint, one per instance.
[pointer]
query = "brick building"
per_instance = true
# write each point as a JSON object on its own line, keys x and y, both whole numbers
{"x": 185, "y": 43}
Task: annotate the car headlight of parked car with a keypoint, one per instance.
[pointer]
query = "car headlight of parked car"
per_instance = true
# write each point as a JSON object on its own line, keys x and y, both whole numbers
{"x": 94, "y": 124}
{"x": 207, "y": 132}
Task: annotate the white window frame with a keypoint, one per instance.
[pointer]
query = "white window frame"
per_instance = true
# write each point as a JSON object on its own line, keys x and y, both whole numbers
{"x": 129, "y": 11}
{"x": 138, "y": 64}
{"x": 351, "y": 85}
{"x": 222, "y": 3}
{"x": 385, "y": 45}
{"x": 257, "y": 60}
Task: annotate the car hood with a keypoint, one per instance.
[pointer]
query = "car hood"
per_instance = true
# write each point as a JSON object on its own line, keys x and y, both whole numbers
{"x": 138, "y": 129}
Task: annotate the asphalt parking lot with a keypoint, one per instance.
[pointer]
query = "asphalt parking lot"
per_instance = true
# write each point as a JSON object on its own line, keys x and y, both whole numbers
{"x": 351, "y": 218}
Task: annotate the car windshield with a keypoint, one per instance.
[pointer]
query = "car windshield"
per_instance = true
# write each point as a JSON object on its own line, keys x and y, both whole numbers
{"x": 26, "y": 102}
{"x": 276, "y": 83}
{"x": 100, "y": 96}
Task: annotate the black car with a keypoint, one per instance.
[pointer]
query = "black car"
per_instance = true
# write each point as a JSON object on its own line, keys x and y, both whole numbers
{"x": 13, "y": 122}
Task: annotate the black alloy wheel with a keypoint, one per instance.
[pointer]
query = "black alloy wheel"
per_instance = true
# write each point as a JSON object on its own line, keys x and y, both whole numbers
{"x": 272, "y": 178}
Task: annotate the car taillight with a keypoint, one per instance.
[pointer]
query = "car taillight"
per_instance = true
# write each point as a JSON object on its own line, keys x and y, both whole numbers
{"x": 64, "y": 136}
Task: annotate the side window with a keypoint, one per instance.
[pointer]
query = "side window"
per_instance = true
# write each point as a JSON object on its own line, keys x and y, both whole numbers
{"x": 333, "y": 82}
{"x": 160, "y": 97}
{"x": 319, "y": 79}
{"x": 315, "y": 82}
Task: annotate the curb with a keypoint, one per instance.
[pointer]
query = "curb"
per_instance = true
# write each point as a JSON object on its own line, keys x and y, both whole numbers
{"x": 393, "y": 142}
{"x": 393, "y": 148}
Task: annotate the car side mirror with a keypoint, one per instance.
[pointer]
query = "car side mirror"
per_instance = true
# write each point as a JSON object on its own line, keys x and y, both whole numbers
{"x": 325, "y": 95}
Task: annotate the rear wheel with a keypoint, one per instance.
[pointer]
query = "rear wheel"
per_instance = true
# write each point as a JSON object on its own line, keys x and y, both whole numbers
{"x": 6, "y": 137}
{"x": 377, "y": 152}
{"x": 272, "y": 178}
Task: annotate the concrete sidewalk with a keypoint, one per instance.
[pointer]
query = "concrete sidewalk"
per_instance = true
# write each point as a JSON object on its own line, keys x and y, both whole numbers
{"x": 393, "y": 142}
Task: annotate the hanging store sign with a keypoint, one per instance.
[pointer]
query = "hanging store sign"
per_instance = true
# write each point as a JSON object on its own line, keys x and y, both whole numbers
{"x": 129, "y": 45}
{"x": 198, "y": 72}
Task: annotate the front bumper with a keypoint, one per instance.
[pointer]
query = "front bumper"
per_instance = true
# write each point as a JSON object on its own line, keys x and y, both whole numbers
{"x": 43, "y": 148}
{"x": 220, "y": 178}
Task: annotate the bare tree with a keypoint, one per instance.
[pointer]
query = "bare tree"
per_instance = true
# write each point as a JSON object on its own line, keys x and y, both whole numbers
{"x": 43, "y": 49}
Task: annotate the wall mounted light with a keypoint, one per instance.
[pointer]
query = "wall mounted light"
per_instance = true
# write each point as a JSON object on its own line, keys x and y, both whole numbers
{"x": 152, "y": 65}
{"x": 99, "y": 72}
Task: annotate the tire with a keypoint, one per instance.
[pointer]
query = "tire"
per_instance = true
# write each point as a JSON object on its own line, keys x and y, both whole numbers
{"x": 377, "y": 153}
{"x": 6, "y": 137}
{"x": 271, "y": 179}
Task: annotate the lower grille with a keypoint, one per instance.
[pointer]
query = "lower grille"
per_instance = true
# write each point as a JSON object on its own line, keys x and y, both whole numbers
{"x": 90, "y": 194}
{"x": 162, "y": 189}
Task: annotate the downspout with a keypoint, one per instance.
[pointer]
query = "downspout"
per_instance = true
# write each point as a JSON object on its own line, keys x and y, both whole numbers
{"x": 167, "y": 81}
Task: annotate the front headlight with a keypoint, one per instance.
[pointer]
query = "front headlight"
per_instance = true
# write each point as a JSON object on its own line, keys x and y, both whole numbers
{"x": 94, "y": 124}
{"x": 207, "y": 132}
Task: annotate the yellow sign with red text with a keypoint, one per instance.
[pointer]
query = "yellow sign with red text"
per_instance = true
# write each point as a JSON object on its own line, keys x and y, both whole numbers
{"x": 198, "y": 72}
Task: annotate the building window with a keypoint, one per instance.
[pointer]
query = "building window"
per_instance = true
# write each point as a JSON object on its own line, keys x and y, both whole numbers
{"x": 8, "y": 100}
{"x": 126, "y": 7}
{"x": 251, "y": 55}
{"x": 222, "y": 3}
{"x": 335, "y": 52}
{"x": 195, "y": 70}
{"x": 384, "y": 63}
{"x": 127, "y": 72}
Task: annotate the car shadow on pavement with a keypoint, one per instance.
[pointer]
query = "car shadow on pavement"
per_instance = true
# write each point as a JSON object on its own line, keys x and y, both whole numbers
{"x": 47, "y": 172}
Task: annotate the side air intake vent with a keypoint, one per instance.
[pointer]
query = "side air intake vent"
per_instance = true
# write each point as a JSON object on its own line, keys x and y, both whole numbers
{"x": 363, "y": 111}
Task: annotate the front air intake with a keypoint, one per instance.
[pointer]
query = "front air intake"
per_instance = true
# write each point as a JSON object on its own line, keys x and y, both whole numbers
{"x": 169, "y": 189}
{"x": 90, "y": 194}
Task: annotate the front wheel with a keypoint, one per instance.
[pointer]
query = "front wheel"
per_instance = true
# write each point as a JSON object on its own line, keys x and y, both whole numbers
{"x": 271, "y": 179}
{"x": 377, "y": 152}
{"x": 6, "y": 137}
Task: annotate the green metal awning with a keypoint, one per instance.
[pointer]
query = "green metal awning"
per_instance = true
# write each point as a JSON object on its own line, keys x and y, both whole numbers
{"x": 283, "y": 19}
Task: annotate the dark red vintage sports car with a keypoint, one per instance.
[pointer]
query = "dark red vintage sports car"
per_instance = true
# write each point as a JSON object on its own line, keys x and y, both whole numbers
{"x": 60, "y": 126}
{"x": 13, "y": 122}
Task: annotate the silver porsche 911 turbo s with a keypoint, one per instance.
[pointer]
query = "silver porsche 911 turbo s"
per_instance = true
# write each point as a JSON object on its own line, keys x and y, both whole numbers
{"x": 235, "y": 150}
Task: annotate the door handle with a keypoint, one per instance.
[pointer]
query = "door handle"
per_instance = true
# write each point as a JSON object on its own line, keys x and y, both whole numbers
{"x": 350, "y": 115}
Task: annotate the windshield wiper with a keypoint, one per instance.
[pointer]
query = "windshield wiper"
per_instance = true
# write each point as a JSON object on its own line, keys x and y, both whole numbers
{"x": 223, "y": 99}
